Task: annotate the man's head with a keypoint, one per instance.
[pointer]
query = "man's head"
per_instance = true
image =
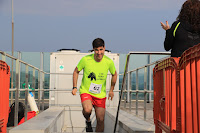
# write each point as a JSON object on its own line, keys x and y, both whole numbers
{"x": 98, "y": 42}
{"x": 99, "y": 48}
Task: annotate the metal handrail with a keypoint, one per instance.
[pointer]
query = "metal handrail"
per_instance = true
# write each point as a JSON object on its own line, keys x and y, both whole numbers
{"x": 153, "y": 63}
{"x": 41, "y": 74}
{"x": 145, "y": 81}
{"x": 25, "y": 63}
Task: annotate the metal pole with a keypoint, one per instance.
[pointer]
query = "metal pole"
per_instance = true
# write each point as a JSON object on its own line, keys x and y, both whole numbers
{"x": 123, "y": 98}
{"x": 128, "y": 88}
{"x": 43, "y": 91}
{"x": 137, "y": 92}
{"x": 12, "y": 54}
{"x": 16, "y": 93}
{"x": 33, "y": 82}
{"x": 130, "y": 93}
{"x": 124, "y": 94}
{"x": 26, "y": 94}
{"x": 123, "y": 82}
{"x": 39, "y": 75}
{"x": 41, "y": 68}
{"x": 149, "y": 77}
{"x": 145, "y": 93}
{"x": 19, "y": 57}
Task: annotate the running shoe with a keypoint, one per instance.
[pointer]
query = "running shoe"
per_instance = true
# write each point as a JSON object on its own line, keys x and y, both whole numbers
{"x": 88, "y": 126}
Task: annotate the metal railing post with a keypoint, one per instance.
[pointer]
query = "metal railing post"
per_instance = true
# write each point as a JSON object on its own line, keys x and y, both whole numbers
{"x": 12, "y": 76}
{"x": 130, "y": 91}
{"x": 137, "y": 88}
{"x": 43, "y": 91}
{"x": 145, "y": 92}
{"x": 128, "y": 86}
{"x": 124, "y": 94}
{"x": 41, "y": 68}
{"x": 149, "y": 76}
{"x": 39, "y": 79}
{"x": 33, "y": 81}
{"x": 19, "y": 57}
{"x": 26, "y": 94}
{"x": 16, "y": 93}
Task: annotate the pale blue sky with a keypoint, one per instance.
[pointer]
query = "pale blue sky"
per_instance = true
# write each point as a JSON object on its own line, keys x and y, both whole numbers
{"x": 49, "y": 25}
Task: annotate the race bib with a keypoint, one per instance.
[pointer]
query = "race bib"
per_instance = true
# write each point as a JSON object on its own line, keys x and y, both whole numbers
{"x": 95, "y": 88}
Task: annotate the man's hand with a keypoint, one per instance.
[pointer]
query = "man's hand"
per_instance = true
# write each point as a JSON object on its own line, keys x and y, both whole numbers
{"x": 165, "y": 27}
{"x": 74, "y": 91}
{"x": 110, "y": 95}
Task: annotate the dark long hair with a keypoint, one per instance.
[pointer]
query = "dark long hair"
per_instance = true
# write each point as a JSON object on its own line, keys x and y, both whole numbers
{"x": 190, "y": 13}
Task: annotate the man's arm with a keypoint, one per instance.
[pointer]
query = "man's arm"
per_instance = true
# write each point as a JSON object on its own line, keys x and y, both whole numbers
{"x": 75, "y": 79}
{"x": 113, "y": 81}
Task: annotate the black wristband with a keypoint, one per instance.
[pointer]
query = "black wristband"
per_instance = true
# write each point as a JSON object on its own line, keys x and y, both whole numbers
{"x": 74, "y": 88}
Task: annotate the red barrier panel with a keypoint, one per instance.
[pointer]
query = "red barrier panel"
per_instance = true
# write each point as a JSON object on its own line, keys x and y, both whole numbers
{"x": 165, "y": 95}
{"x": 190, "y": 90}
{"x": 4, "y": 94}
{"x": 30, "y": 115}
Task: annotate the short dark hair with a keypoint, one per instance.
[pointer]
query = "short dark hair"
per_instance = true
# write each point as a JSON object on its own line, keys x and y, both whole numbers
{"x": 98, "y": 42}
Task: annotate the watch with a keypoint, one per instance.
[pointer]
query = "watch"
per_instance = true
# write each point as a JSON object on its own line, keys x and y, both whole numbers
{"x": 74, "y": 88}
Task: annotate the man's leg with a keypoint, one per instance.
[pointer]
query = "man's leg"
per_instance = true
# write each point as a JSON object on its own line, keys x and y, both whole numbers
{"x": 100, "y": 114}
{"x": 87, "y": 109}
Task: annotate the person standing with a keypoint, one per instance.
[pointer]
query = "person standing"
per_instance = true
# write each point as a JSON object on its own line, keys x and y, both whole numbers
{"x": 93, "y": 87}
{"x": 185, "y": 32}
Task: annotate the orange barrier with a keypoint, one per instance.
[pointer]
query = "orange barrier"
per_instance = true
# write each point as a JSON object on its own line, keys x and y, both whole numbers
{"x": 4, "y": 94}
{"x": 177, "y": 93}
{"x": 165, "y": 95}
{"x": 189, "y": 65}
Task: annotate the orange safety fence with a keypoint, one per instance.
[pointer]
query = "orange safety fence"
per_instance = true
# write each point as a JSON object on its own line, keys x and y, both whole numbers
{"x": 165, "y": 95}
{"x": 189, "y": 65}
{"x": 177, "y": 93}
{"x": 4, "y": 95}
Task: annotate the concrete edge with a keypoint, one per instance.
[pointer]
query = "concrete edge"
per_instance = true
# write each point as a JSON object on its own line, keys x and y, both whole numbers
{"x": 46, "y": 119}
{"x": 129, "y": 122}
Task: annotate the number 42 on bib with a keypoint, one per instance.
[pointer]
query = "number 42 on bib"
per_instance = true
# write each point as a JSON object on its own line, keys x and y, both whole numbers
{"x": 95, "y": 88}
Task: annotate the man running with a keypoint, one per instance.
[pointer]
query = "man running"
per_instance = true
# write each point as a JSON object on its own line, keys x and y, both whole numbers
{"x": 93, "y": 87}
